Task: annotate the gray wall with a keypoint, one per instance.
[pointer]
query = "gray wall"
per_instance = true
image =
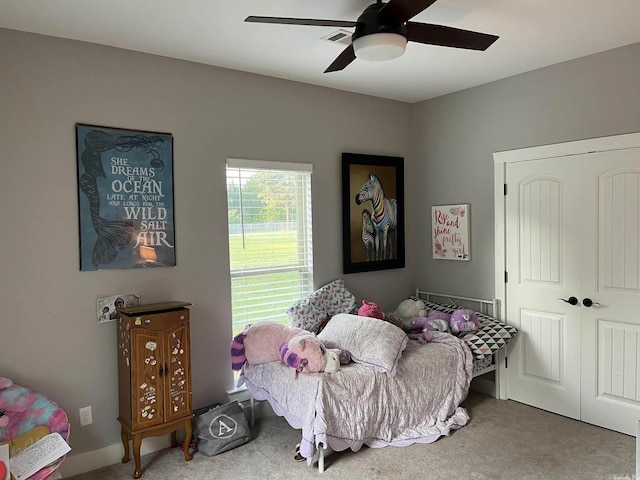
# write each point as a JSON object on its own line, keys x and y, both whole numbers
{"x": 453, "y": 138}
{"x": 50, "y": 340}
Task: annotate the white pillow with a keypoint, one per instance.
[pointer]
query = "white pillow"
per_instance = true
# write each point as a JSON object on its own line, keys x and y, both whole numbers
{"x": 370, "y": 341}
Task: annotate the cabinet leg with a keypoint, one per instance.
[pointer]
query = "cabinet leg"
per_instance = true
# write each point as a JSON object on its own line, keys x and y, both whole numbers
{"x": 187, "y": 439}
{"x": 125, "y": 444}
{"x": 174, "y": 439}
{"x": 137, "y": 442}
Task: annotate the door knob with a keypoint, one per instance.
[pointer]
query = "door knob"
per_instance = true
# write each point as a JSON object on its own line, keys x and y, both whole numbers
{"x": 587, "y": 302}
{"x": 571, "y": 300}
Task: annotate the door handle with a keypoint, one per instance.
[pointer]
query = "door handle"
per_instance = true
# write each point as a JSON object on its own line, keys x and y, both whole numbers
{"x": 587, "y": 302}
{"x": 571, "y": 300}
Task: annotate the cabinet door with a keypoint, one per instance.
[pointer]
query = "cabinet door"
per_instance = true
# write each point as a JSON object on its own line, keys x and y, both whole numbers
{"x": 147, "y": 349}
{"x": 177, "y": 381}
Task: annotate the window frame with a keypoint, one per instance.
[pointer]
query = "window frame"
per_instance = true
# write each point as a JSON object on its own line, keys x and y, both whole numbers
{"x": 304, "y": 226}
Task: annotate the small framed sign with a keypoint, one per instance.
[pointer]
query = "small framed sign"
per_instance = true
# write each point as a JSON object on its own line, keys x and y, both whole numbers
{"x": 450, "y": 232}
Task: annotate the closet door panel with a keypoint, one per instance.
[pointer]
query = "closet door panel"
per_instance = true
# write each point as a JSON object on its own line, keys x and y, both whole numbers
{"x": 610, "y": 377}
{"x": 543, "y": 266}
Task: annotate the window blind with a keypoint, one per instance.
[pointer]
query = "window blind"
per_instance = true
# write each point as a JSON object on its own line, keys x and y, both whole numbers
{"x": 270, "y": 238}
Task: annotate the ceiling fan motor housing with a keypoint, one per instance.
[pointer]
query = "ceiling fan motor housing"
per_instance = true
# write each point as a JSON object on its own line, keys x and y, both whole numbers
{"x": 370, "y": 21}
{"x": 378, "y": 36}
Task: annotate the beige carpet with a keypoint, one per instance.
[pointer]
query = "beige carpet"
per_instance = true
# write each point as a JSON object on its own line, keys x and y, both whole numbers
{"x": 504, "y": 440}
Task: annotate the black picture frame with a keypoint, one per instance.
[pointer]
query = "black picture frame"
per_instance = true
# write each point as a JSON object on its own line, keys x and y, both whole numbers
{"x": 125, "y": 198}
{"x": 388, "y": 173}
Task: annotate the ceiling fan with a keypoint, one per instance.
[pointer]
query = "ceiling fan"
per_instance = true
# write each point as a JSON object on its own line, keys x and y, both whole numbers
{"x": 383, "y": 30}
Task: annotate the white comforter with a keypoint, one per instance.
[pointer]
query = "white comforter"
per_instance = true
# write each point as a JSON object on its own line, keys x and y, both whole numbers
{"x": 359, "y": 405}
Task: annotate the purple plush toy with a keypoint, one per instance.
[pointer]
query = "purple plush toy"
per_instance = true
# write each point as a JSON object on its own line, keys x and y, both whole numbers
{"x": 426, "y": 323}
{"x": 427, "y": 326}
{"x": 464, "y": 320}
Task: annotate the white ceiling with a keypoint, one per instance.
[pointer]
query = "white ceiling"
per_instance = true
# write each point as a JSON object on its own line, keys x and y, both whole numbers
{"x": 533, "y": 34}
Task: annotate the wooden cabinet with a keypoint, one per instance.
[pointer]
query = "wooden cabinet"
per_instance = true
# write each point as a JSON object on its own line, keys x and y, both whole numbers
{"x": 154, "y": 375}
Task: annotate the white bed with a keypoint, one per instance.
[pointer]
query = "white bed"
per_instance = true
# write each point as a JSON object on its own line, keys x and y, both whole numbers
{"x": 488, "y": 343}
{"x": 411, "y": 395}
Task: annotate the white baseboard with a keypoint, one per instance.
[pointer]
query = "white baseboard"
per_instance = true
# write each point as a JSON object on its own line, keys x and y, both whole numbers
{"x": 88, "y": 461}
{"x": 638, "y": 449}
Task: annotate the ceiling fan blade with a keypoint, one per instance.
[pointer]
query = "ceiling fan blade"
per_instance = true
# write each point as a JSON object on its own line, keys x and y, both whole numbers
{"x": 448, "y": 36}
{"x": 403, "y": 10}
{"x": 300, "y": 21}
{"x": 347, "y": 56}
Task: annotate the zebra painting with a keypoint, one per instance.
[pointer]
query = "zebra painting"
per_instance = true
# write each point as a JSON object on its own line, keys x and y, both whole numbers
{"x": 368, "y": 235}
{"x": 384, "y": 217}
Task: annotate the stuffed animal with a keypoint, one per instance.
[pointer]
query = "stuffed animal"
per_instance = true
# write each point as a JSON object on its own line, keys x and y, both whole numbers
{"x": 424, "y": 328}
{"x": 425, "y": 336}
{"x": 411, "y": 308}
{"x": 265, "y": 342}
{"x": 464, "y": 320}
{"x": 370, "y": 309}
{"x": 433, "y": 324}
{"x": 435, "y": 314}
{"x": 394, "y": 319}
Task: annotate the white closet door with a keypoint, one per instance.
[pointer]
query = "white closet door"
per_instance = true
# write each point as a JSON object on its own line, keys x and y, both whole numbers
{"x": 543, "y": 230}
{"x": 611, "y": 277}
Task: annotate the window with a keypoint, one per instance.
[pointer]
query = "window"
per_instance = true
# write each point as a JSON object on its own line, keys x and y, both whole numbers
{"x": 270, "y": 248}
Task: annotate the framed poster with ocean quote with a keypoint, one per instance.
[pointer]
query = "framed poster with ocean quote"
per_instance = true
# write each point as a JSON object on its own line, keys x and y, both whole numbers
{"x": 125, "y": 198}
{"x": 450, "y": 232}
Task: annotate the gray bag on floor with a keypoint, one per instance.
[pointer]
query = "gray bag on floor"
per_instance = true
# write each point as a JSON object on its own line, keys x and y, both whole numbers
{"x": 221, "y": 428}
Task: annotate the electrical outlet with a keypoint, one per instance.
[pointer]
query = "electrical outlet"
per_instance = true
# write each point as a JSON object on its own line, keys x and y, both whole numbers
{"x": 86, "y": 418}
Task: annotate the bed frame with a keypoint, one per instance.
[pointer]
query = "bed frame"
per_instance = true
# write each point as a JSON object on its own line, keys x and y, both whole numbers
{"x": 488, "y": 307}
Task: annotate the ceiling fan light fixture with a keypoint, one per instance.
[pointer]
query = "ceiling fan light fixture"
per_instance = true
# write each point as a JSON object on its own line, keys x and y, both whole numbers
{"x": 379, "y": 47}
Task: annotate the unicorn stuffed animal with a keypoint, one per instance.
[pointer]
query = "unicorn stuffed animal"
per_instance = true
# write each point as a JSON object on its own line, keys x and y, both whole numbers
{"x": 300, "y": 349}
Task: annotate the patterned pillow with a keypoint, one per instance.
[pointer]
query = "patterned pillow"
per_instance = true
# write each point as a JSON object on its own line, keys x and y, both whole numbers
{"x": 491, "y": 337}
{"x": 305, "y": 314}
{"x": 310, "y": 312}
